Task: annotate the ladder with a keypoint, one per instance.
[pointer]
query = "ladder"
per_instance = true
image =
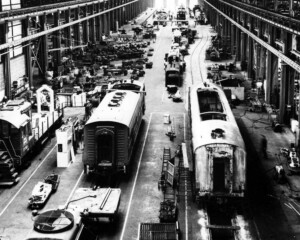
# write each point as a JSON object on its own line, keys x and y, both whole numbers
{"x": 168, "y": 207}
{"x": 166, "y": 159}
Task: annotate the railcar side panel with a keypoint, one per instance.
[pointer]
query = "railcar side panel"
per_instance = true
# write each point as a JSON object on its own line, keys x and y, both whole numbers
{"x": 122, "y": 148}
{"x": 239, "y": 170}
{"x": 89, "y": 149}
{"x": 202, "y": 170}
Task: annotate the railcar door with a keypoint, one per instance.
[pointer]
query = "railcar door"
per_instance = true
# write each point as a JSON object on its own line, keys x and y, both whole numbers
{"x": 219, "y": 174}
{"x": 105, "y": 148}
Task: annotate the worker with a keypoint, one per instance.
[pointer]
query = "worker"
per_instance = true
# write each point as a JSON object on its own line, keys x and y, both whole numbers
{"x": 264, "y": 144}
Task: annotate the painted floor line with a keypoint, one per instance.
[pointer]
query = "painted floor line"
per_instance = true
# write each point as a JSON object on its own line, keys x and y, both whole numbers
{"x": 13, "y": 198}
{"x": 74, "y": 188}
{"x": 135, "y": 180}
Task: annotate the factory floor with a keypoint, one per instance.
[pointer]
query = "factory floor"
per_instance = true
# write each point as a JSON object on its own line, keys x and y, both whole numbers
{"x": 275, "y": 207}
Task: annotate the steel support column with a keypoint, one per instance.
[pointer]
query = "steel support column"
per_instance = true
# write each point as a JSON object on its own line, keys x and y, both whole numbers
{"x": 6, "y": 64}
{"x": 271, "y": 66}
{"x": 283, "y": 93}
{"x": 92, "y": 37}
{"x": 250, "y": 71}
{"x": 43, "y": 48}
{"x": 102, "y": 25}
{"x": 97, "y": 24}
{"x": 67, "y": 30}
{"x": 77, "y": 29}
{"x": 57, "y": 40}
{"x": 27, "y": 51}
{"x": 85, "y": 27}
{"x": 243, "y": 46}
{"x": 238, "y": 44}
{"x": 233, "y": 39}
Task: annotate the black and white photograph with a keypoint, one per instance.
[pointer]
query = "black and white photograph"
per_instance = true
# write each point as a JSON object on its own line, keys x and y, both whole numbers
{"x": 149, "y": 120}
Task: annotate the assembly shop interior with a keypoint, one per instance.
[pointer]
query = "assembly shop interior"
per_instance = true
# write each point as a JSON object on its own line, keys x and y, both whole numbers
{"x": 149, "y": 119}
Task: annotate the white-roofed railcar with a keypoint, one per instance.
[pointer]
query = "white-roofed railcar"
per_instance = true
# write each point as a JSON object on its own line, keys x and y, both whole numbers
{"x": 111, "y": 131}
{"x": 218, "y": 147}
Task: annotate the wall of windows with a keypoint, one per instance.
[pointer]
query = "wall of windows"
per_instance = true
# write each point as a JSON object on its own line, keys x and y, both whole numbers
{"x": 10, "y": 4}
{"x": 15, "y": 33}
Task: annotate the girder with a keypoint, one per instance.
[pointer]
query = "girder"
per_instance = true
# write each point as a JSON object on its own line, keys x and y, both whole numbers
{"x": 39, "y": 34}
{"x": 36, "y": 11}
{"x": 265, "y": 19}
{"x": 277, "y": 53}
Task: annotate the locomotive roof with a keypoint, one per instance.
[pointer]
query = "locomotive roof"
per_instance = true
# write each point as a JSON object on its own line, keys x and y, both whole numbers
{"x": 202, "y": 129}
{"x": 202, "y": 133}
{"x": 117, "y": 106}
{"x": 12, "y": 112}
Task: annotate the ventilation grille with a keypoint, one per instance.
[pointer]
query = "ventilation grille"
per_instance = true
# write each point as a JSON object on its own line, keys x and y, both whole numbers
{"x": 117, "y": 99}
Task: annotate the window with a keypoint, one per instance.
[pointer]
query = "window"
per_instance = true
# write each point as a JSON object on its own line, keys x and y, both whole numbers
{"x": 10, "y": 4}
{"x": 15, "y": 33}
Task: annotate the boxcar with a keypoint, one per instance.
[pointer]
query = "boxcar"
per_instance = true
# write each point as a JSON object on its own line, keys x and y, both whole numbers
{"x": 111, "y": 131}
{"x": 218, "y": 147}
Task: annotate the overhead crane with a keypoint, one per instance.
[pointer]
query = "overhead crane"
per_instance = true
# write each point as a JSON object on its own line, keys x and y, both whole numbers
{"x": 273, "y": 50}
{"x": 269, "y": 17}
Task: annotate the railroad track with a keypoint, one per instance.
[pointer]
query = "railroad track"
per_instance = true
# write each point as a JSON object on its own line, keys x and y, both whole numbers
{"x": 219, "y": 220}
{"x": 197, "y": 74}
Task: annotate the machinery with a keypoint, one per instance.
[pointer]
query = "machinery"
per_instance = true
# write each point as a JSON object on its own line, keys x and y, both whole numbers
{"x": 71, "y": 221}
{"x": 40, "y": 194}
{"x": 174, "y": 67}
{"x": 65, "y": 150}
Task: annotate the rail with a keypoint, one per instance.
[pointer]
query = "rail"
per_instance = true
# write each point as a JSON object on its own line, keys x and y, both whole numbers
{"x": 277, "y": 53}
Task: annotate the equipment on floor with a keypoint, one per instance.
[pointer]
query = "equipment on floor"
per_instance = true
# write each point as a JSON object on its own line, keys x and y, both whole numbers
{"x": 65, "y": 141}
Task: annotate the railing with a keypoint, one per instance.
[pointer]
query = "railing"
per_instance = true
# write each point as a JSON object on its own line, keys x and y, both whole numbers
{"x": 23, "y": 11}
